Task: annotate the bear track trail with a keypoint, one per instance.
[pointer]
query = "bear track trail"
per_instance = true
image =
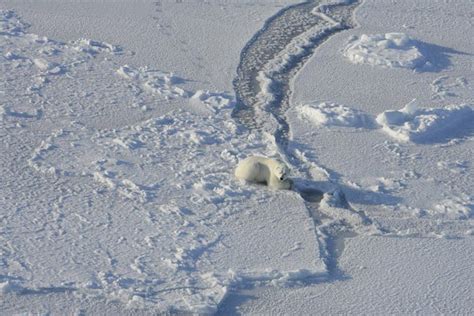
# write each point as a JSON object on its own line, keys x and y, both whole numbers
{"x": 267, "y": 45}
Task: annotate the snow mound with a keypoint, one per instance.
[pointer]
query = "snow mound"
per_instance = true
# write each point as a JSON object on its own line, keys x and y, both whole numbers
{"x": 94, "y": 47}
{"x": 391, "y": 50}
{"x": 333, "y": 114}
{"x": 418, "y": 125}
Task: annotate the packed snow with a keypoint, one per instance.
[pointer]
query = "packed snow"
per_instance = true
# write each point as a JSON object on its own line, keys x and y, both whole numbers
{"x": 391, "y": 50}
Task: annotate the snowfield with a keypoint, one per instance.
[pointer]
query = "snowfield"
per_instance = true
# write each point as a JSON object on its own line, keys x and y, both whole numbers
{"x": 119, "y": 141}
{"x": 142, "y": 211}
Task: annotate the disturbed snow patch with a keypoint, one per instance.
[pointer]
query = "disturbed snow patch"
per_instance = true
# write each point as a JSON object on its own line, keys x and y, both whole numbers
{"x": 10, "y": 24}
{"x": 333, "y": 114}
{"x": 153, "y": 81}
{"x": 429, "y": 124}
{"x": 454, "y": 208}
{"x": 391, "y": 50}
{"x": 94, "y": 47}
{"x": 212, "y": 101}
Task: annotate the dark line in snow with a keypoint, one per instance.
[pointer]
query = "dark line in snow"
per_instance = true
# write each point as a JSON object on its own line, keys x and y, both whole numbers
{"x": 277, "y": 33}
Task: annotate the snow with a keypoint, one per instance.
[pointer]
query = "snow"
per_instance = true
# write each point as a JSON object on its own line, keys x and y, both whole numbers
{"x": 406, "y": 168}
{"x": 123, "y": 218}
{"x": 153, "y": 81}
{"x": 391, "y": 50}
{"x": 400, "y": 171}
{"x": 298, "y": 46}
{"x": 119, "y": 147}
{"x": 427, "y": 124}
{"x": 212, "y": 102}
{"x": 332, "y": 114}
{"x": 407, "y": 275}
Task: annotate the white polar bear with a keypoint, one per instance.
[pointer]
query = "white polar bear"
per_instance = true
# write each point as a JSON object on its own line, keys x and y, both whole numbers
{"x": 264, "y": 170}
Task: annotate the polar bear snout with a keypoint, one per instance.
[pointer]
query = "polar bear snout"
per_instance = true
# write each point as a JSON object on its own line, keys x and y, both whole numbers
{"x": 280, "y": 172}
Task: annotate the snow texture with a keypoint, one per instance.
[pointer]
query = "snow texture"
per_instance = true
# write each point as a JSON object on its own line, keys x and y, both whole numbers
{"x": 415, "y": 124}
{"x": 117, "y": 178}
{"x": 333, "y": 114}
{"x": 390, "y": 50}
{"x": 144, "y": 211}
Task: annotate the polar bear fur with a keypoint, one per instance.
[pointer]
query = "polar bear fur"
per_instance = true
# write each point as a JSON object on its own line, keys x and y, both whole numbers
{"x": 264, "y": 170}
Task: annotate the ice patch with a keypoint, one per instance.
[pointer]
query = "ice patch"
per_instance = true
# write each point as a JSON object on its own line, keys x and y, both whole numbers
{"x": 413, "y": 124}
{"x": 333, "y": 114}
{"x": 391, "y": 50}
{"x": 295, "y": 49}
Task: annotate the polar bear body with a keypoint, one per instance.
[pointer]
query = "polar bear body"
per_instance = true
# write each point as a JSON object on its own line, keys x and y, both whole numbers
{"x": 264, "y": 170}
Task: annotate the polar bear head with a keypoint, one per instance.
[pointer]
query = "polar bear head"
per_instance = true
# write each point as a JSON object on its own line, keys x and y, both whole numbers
{"x": 280, "y": 170}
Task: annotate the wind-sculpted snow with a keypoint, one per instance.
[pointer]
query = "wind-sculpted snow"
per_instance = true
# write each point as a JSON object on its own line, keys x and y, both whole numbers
{"x": 104, "y": 198}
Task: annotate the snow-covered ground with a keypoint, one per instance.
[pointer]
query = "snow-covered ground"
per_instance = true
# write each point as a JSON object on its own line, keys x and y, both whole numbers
{"x": 409, "y": 165}
{"x": 118, "y": 148}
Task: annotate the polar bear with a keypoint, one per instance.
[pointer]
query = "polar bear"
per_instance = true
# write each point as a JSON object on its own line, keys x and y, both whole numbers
{"x": 264, "y": 170}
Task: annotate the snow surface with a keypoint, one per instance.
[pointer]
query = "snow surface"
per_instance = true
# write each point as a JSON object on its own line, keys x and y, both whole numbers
{"x": 399, "y": 171}
{"x": 118, "y": 149}
{"x": 379, "y": 274}
{"x": 419, "y": 191}
{"x": 106, "y": 208}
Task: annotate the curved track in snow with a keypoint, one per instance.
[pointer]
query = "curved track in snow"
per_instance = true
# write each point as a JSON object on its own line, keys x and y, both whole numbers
{"x": 278, "y": 51}
{"x": 268, "y": 63}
